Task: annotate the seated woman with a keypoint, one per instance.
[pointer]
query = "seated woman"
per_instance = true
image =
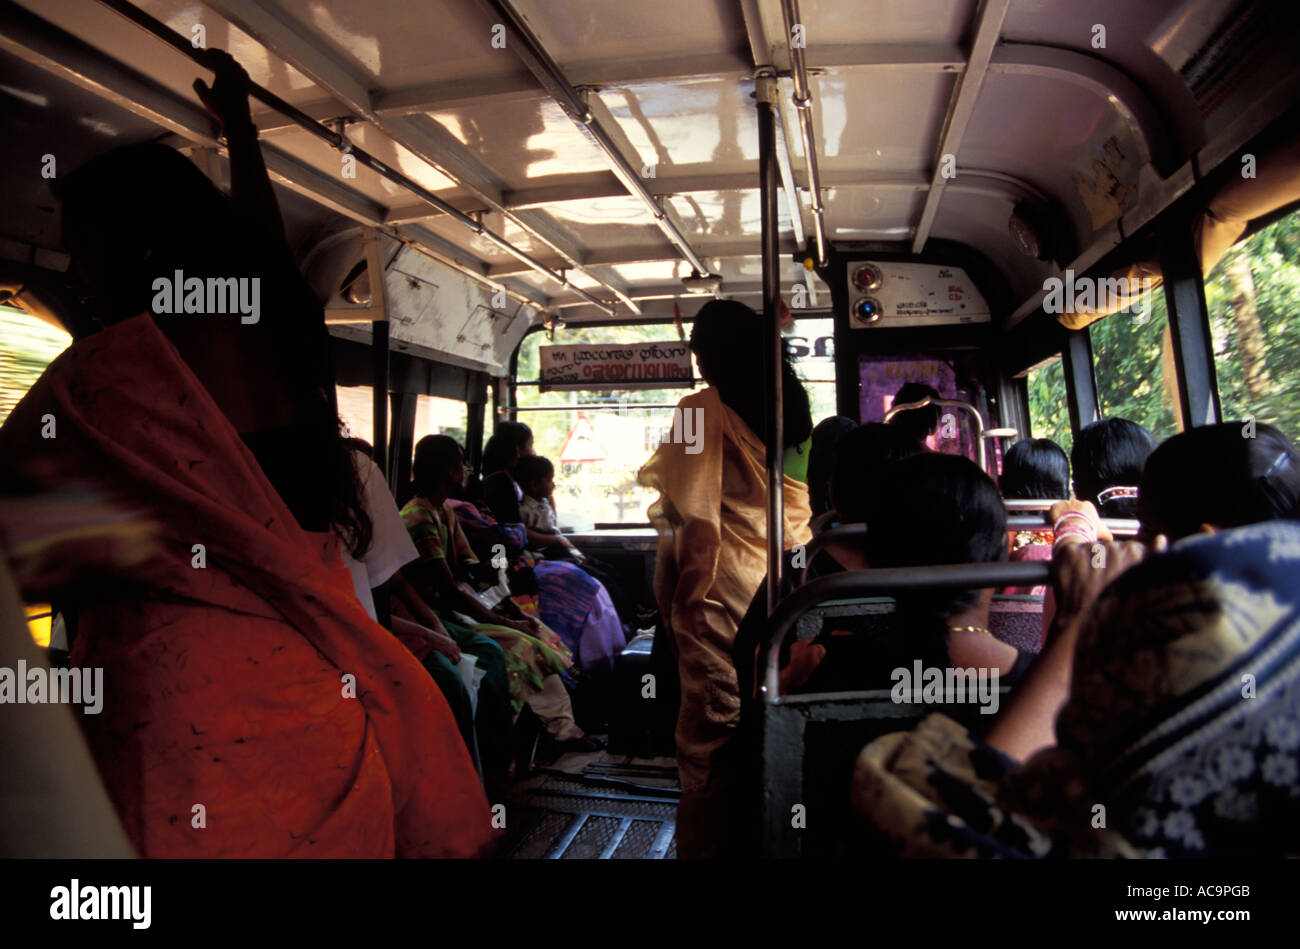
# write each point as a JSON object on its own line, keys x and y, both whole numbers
{"x": 918, "y": 425}
{"x": 1147, "y": 680}
{"x": 864, "y": 456}
{"x": 930, "y": 509}
{"x": 1107, "y": 459}
{"x": 824, "y": 450}
{"x": 567, "y": 597}
{"x": 1158, "y": 729}
{"x": 256, "y": 710}
{"x": 1035, "y": 470}
{"x": 535, "y": 656}
{"x": 484, "y": 717}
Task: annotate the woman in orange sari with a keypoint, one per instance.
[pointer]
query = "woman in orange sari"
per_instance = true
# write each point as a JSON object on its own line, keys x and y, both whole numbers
{"x": 253, "y": 708}
{"x": 712, "y": 520}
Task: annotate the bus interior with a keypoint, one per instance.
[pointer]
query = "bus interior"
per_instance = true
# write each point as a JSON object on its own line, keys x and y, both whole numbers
{"x": 494, "y": 199}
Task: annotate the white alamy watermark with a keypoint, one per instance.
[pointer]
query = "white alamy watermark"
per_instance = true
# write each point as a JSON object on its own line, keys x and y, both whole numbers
{"x": 1089, "y": 295}
{"x": 211, "y": 297}
{"x": 75, "y": 901}
{"x": 685, "y": 429}
{"x": 41, "y": 686}
{"x": 931, "y": 685}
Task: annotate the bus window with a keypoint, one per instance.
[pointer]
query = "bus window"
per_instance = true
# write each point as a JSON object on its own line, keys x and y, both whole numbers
{"x": 1049, "y": 412}
{"x": 357, "y": 409}
{"x": 1134, "y": 368}
{"x": 596, "y": 438}
{"x": 27, "y": 346}
{"x": 438, "y": 416}
{"x": 1253, "y": 295}
{"x": 812, "y": 344}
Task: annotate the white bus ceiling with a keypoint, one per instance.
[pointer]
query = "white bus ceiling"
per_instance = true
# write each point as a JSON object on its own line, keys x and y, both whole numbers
{"x": 1019, "y": 92}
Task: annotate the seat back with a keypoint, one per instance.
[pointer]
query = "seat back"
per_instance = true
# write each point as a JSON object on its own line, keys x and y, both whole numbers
{"x": 798, "y": 750}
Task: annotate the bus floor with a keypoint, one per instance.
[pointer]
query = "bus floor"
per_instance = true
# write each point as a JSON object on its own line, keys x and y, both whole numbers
{"x": 594, "y": 806}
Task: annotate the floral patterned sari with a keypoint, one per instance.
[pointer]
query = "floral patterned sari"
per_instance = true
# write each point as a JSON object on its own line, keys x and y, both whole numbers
{"x": 1181, "y": 737}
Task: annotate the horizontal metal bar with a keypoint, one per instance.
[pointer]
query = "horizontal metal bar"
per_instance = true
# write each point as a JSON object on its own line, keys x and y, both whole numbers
{"x": 884, "y": 582}
{"x": 615, "y": 407}
{"x": 562, "y": 842}
{"x": 530, "y": 50}
{"x": 340, "y": 143}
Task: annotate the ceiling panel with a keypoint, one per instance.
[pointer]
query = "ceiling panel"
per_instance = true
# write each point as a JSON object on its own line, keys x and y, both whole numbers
{"x": 687, "y": 122}
{"x": 520, "y": 140}
{"x": 399, "y": 43}
{"x": 587, "y": 31}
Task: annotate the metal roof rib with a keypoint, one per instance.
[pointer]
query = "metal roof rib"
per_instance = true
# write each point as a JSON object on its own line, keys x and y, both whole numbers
{"x": 291, "y": 45}
{"x": 589, "y": 116}
{"x": 988, "y": 24}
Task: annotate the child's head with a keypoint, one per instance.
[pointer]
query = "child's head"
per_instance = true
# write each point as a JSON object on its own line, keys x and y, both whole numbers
{"x": 536, "y": 475}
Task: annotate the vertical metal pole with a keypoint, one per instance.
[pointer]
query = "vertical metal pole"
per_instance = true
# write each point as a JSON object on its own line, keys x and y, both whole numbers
{"x": 1189, "y": 327}
{"x": 766, "y": 89}
{"x": 403, "y": 405}
{"x": 474, "y": 422}
{"x": 378, "y": 346}
{"x": 1080, "y": 383}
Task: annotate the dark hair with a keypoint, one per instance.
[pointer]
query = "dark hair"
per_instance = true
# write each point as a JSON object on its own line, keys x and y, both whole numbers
{"x": 728, "y": 341}
{"x": 1216, "y": 475}
{"x": 826, "y": 437}
{"x": 1110, "y": 453}
{"x": 503, "y": 447}
{"x": 1035, "y": 469}
{"x": 919, "y": 424}
{"x": 140, "y": 212}
{"x": 434, "y": 454}
{"x": 532, "y": 468}
{"x": 934, "y": 508}
{"x": 862, "y": 459}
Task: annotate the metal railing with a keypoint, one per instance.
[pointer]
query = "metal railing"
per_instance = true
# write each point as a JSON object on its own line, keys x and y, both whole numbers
{"x": 890, "y": 580}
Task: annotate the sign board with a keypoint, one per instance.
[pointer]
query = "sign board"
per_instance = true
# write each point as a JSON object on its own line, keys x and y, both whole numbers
{"x": 888, "y": 293}
{"x": 581, "y": 444}
{"x": 661, "y": 365}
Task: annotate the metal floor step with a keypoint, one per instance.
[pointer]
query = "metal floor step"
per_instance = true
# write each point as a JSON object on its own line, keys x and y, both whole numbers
{"x": 561, "y": 816}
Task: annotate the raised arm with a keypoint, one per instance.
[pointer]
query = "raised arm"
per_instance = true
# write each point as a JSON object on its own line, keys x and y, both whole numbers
{"x": 250, "y": 184}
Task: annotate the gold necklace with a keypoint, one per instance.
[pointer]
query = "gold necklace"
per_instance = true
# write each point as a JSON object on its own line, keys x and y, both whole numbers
{"x": 970, "y": 629}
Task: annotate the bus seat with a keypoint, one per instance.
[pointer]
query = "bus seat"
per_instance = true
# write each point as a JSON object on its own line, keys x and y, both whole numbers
{"x": 797, "y": 751}
{"x": 1018, "y": 621}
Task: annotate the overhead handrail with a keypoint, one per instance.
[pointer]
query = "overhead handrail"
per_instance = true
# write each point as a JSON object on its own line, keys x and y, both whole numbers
{"x": 890, "y": 580}
{"x": 547, "y": 72}
{"x": 803, "y": 103}
{"x": 342, "y": 144}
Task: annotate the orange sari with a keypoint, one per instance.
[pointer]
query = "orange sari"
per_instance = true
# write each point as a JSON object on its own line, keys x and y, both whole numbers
{"x": 252, "y": 707}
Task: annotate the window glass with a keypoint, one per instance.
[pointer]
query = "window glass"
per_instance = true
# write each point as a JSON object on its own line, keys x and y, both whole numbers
{"x": 357, "y": 409}
{"x": 812, "y": 344}
{"x": 437, "y": 416}
{"x": 1132, "y": 357}
{"x": 27, "y": 346}
{"x": 1253, "y": 295}
{"x": 1049, "y": 410}
{"x": 599, "y": 438}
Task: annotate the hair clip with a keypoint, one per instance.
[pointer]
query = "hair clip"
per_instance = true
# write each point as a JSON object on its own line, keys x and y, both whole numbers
{"x": 1117, "y": 492}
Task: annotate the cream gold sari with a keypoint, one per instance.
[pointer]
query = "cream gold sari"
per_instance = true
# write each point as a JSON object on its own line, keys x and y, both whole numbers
{"x": 712, "y": 520}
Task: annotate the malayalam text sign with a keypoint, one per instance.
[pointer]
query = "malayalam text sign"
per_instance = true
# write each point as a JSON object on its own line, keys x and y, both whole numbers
{"x": 663, "y": 365}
